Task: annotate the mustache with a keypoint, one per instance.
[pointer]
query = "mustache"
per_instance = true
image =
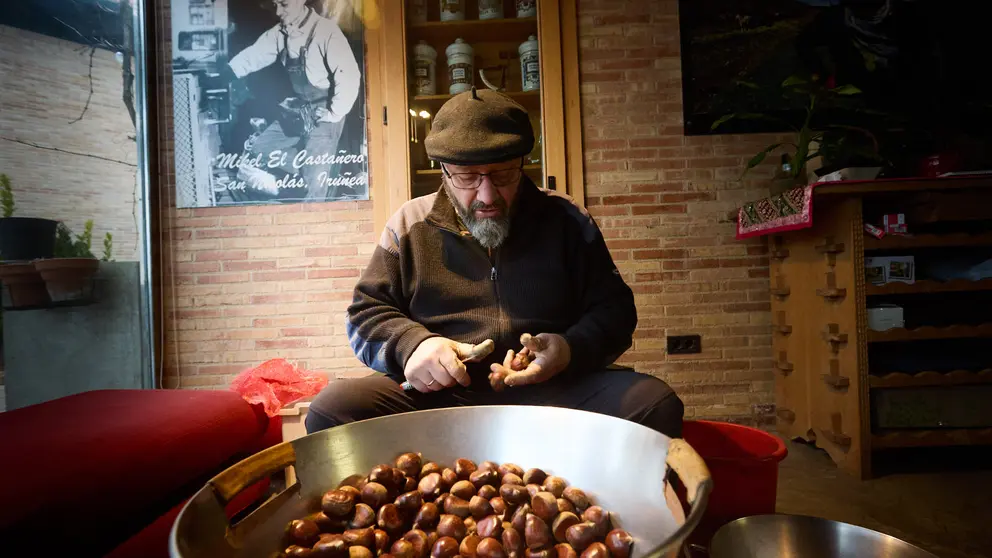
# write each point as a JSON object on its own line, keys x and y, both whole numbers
{"x": 479, "y": 206}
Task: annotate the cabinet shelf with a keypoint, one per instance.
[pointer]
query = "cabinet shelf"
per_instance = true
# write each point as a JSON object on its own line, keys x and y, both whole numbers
{"x": 930, "y": 332}
{"x": 514, "y": 30}
{"x": 529, "y": 100}
{"x": 887, "y": 439}
{"x": 927, "y": 286}
{"x": 930, "y": 379}
{"x": 898, "y": 242}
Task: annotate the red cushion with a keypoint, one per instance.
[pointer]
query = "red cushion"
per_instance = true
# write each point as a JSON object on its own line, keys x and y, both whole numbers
{"x": 99, "y": 460}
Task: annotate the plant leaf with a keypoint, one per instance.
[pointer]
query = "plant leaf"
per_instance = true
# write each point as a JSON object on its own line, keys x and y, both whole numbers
{"x": 722, "y": 120}
{"x": 846, "y": 90}
{"x": 748, "y": 84}
{"x": 794, "y": 80}
{"x": 759, "y": 157}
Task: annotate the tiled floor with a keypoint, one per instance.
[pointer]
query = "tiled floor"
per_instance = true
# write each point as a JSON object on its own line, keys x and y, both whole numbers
{"x": 947, "y": 512}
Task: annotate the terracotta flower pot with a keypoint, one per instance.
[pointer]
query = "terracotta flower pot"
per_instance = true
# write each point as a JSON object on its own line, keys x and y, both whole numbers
{"x": 25, "y": 286}
{"x": 68, "y": 278}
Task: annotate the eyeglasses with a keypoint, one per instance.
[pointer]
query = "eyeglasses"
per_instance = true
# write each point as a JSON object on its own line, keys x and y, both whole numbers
{"x": 470, "y": 180}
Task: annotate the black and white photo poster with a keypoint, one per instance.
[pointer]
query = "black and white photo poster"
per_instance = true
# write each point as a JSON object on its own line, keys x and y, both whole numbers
{"x": 269, "y": 102}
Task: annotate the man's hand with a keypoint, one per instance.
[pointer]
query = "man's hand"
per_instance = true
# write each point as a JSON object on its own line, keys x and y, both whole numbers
{"x": 437, "y": 364}
{"x": 550, "y": 353}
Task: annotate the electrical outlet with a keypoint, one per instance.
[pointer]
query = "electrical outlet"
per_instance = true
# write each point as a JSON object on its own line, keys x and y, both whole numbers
{"x": 684, "y": 344}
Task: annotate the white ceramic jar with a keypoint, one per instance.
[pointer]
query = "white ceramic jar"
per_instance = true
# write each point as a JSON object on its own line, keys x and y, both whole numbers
{"x": 452, "y": 10}
{"x": 530, "y": 64}
{"x": 418, "y": 11}
{"x": 526, "y": 8}
{"x": 490, "y": 9}
{"x": 424, "y": 69}
{"x": 460, "y": 66}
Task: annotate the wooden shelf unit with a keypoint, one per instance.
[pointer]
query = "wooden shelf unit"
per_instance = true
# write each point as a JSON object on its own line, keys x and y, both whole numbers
{"x": 821, "y": 342}
{"x": 474, "y": 30}
{"x": 531, "y": 100}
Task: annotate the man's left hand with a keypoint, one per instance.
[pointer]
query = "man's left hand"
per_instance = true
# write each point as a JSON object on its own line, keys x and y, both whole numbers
{"x": 551, "y": 354}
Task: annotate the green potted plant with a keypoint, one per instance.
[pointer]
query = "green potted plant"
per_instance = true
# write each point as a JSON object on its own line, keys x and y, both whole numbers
{"x": 23, "y": 238}
{"x": 69, "y": 275}
{"x": 25, "y": 287}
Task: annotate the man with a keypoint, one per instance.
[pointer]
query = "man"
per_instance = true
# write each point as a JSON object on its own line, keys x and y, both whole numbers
{"x": 491, "y": 256}
{"x": 325, "y": 77}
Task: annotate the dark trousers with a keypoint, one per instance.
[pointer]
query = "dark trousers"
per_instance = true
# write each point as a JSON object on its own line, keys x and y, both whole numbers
{"x": 623, "y": 393}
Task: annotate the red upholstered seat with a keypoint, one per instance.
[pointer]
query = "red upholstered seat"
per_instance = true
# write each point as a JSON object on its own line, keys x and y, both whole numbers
{"x": 102, "y": 465}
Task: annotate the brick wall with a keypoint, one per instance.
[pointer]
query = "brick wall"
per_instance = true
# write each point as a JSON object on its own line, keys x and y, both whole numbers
{"x": 253, "y": 283}
{"x": 44, "y": 84}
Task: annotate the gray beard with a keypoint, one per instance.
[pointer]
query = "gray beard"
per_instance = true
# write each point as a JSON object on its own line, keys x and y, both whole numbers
{"x": 490, "y": 232}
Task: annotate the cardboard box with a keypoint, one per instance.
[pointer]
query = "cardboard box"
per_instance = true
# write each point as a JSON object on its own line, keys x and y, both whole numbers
{"x": 885, "y": 317}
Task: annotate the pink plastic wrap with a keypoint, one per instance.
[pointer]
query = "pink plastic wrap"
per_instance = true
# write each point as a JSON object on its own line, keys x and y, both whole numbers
{"x": 276, "y": 383}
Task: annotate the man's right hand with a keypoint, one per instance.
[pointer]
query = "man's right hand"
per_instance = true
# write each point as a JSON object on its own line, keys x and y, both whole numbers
{"x": 437, "y": 364}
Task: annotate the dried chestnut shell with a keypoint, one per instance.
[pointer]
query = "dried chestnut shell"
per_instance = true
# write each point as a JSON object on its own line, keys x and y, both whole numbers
{"x": 555, "y": 485}
{"x": 328, "y": 524}
{"x": 514, "y": 494}
{"x": 330, "y": 547}
{"x": 599, "y": 518}
{"x": 381, "y": 541}
{"x": 375, "y": 495}
{"x": 430, "y": 486}
{"x": 536, "y": 533}
{"x": 468, "y": 546}
{"x": 359, "y": 552}
{"x": 382, "y": 474}
{"x": 302, "y": 532}
{"x": 463, "y": 489}
{"x": 456, "y": 506}
{"x": 429, "y": 468}
{"x": 533, "y": 489}
{"x": 534, "y": 476}
{"x": 580, "y": 535}
{"x": 451, "y": 526}
{"x": 545, "y": 506}
{"x": 562, "y": 523}
{"x": 479, "y": 507}
{"x": 513, "y": 541}
{"x": 484, "y": 476}
{"x": 337, "y": 503}
{"x": 595, "y": 550}
{"x": 513, "y": 468}
{"x": 427, "y": 517}
{"x": 445, "y": 547}
{"x": 489, "y": 548}
{"x": 519, "y": 520}
{"x": 410, "y": 464}
{"x": 489, "y": 526}
{"x": 512, "y": 478}
{"x": 565, "y": 506}
{"x": 364, "y": 517}
{"x": 418, "y": 539}
{"x": 619, "y": 543}
{"x": 464, "y": 468}
{"x": 577, "y": 497}
{"x": 448, "y": 478}
{"x": 498, "y": 504}
{"x": 402, "y": 549}
{"x": 488, "y": 492}
{"x": 565, "y": 550}
{"x": 295, "y": 551}
{"x": 390, "y": 520}
{"x": 539, "y": 553}
{"x": 360, "y": 537}
{"x": 409, "y": 501}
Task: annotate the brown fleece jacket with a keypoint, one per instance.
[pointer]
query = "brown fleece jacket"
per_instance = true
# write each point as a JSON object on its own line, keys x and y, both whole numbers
{"x": 553, "y": 274}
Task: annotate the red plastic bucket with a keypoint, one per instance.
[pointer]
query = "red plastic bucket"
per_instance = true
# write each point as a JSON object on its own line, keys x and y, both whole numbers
{"x": 743, "y": 462}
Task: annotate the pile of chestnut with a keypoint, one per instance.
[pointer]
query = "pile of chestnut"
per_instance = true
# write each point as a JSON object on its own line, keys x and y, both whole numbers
{"x": 413, "y": 509}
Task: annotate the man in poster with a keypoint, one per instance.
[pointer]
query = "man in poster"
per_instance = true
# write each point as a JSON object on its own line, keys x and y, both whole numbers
{"x": 325, "y": 78}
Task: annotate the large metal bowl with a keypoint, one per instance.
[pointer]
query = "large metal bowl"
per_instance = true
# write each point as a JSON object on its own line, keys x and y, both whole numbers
{"x": 801, "y": 536}
{"x": 621, "y": 464}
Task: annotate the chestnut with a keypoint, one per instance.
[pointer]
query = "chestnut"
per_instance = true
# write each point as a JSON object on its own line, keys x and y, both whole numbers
{"x": 448, "y": 478}
{"x": 513, "y": 541}
{"x": 479, "y": 507}
{"x": 375, "y": 495}
{"x": 482, "y": 477}
{"x": 331, "y": 537}
{"x": 330, "y": 547}
{"x": 534, "y": 476}
{"x": 580, "y": 535}
{"x": 513, "y": 494}
{"x": 533, "y": 489}
{"x": 429, "y": 468}
{"x": 409, "y": 463}
{"x": 360, "y": 537}
{"x": 468, "y": 546}
{"x": 498, "y": 504}
{"x": 489, "y": 466}
{"x": 619, "y": 543}
{"x": 427, "y": 517}
{"x": 432, "y": 538}
{"x": 488, "y": 492}
{"x": 364, "y": 517}
{"x": 562, "y": 523}
{"x": 381, "y": 541}
{"x": 565, "y": 506}
{"x": 536, "y": 533}
{"x": 554, "y": 485}
{"x": 302, "y": 532}
{"x": 430, "y": 486}
{"x": 386, "y": 555}
{"x": 539, "y": 553}
{"x": 353, "y": 481}
{"x": 351, "y": 490}
{"x": 512, "y": 478}
{"x": 445, "y": 547}
{"x": 296, "y": 551}
{"x": 451, "y": 526}
{"x": 409, "y": 501}
{"x": 519, "y": 520}
{"x": 463, "y": 489}
{"x": 456, "y": 506}
{"x": 328, "y": 524}
{"x": 470, "y": 524}
{"x": 409, "y": 484}
{"x": 490, "y": 526}
{"x": 390, "y": 520}
{"x": 565, "y": 550}
{"x": 489, "y": 548}
{"x": 399, "y": 482}
{"x": 442, "y": 499}
{"x": 595, "y": 550}
{"x": 402, "y": 549}
{"x": 577, "y": 497}
{"x": 382, "y": 474}
{"x": 508, "y": 468}
{"x": 359, "y": 552}
{"x": 418, "y": 539}
{"x": 545, "y": 506}
{"x": 337, "y": 503}
{"x": 599, "y": 518}
{"x": 464, "y": 468}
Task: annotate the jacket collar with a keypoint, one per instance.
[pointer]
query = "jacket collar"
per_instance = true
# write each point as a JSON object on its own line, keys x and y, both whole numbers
{"x": 443, "y": 213}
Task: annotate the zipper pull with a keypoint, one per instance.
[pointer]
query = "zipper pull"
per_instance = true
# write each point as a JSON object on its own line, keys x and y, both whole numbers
{"x": 492, "y": 274}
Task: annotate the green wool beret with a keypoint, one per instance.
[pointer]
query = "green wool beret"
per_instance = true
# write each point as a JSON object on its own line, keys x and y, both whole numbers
{"x": 479, "y": 127}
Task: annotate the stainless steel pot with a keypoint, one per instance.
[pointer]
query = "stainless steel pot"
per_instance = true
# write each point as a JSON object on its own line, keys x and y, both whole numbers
{"x": 621, "y": 464}
{"x": 795, "y": 536}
